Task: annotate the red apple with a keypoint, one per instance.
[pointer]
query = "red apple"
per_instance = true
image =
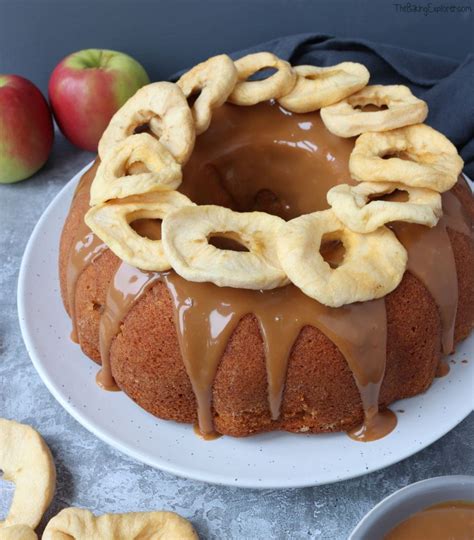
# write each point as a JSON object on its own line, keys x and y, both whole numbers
{"x": 26, "y": 129}
{"x": 87, "y": 88}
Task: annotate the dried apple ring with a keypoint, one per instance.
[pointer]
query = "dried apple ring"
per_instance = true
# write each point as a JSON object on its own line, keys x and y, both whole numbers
{"x": 277, "y": 85}
{"x": 318, "y": 87}
{"x": 162, "y": 107}
{"x": 186, "y": 235}
{"x": 403, "y": 109}
{"x": 373, "y": 264}
{"x": 215, "y": 79}
{"x": 115, "y": 177}
{"x": 81, "y": 524}
{"x": 26, "y": 461}
{"x": 353, "y": 207}
{"x": 111, "y": 223}
{"x": 18, "y": 532}
{"x": 417, "y": 156}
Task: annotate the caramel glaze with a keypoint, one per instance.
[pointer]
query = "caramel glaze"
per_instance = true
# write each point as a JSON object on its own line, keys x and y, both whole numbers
{"x": 127, "y": 286}
{"x": 443, "y": 369}
{"x": 282, "y": 314}
{"x": 431, "y": 260}
{"x": 265, "y": 158}
{"x": 86, "y": 248}
{"x": 207, "y": 315}
{"x": 206, "y": 436}
{"x": 453, "y": 520}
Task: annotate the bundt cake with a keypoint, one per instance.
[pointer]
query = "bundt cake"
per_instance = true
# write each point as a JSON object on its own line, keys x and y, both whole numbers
{"x": 216, "y": 284}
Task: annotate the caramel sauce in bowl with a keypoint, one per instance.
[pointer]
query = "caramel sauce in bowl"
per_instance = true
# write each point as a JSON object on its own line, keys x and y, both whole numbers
{"x": 439, "y": 508}
{"x": 453, "y": 520}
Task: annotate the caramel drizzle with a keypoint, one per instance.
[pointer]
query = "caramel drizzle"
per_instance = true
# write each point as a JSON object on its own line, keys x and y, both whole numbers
{"x": 431, "y": 260}
{"x": 127, "y": 287}
{"x": 85, "y": 250}
{"x": 207, "y": 315}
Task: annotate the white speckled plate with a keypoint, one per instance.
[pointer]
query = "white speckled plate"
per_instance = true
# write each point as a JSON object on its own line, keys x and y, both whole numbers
{"x": 265, "y": 461}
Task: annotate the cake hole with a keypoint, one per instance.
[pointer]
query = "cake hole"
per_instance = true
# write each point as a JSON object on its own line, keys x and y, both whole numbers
{"x": 268, "y": 176}
{"x": 7, "y": 491}
{"x": 265, "y": 200}
{"x": 226, "y": 242}
{"x": 332, "y": 251}
{"x": 148, "y": 228}
{"x": 398, "y": 195}
{"x": 370, "y": 107}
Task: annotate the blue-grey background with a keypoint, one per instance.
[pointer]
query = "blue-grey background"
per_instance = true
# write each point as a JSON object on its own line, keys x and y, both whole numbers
{"x": 167, "y": 36}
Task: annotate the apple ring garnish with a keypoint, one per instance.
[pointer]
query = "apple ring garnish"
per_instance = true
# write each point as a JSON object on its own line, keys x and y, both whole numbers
{"x": 138, "y": 164}
{"x": 373, "y": 264}
{"x": 26, "y": 461}
{"x": 417, "y": 156}
{"x": 186, "y": 235}
{"x": 352, "y": 205}
{"x": 161, "y": 108}
{"x": 347, "y": 118}
{"x": 275, "y": 86}
{"x": 214, "y": 79}
{"x": 395, "y": 152}
{"x": 318, "y": 87}
{"x": 111, "y": 221}
{"x": 81, "y": 524}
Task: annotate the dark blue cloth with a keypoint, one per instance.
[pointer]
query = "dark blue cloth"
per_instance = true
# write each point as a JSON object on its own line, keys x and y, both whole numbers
{"x": 445, "y": 84}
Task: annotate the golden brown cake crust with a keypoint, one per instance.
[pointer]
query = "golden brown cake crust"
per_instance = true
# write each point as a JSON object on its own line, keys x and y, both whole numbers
{"x": 147, "y": 364}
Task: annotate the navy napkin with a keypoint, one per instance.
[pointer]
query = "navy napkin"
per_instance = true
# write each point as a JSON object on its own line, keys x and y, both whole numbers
{"x": 445, "y": 84}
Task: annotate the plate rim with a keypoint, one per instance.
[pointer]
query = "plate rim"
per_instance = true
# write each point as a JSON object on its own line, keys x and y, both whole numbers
{"x": 134, "y": 453}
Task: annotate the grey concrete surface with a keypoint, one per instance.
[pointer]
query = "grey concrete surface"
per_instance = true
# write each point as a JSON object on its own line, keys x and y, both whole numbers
{"x": 94, "y": 476}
